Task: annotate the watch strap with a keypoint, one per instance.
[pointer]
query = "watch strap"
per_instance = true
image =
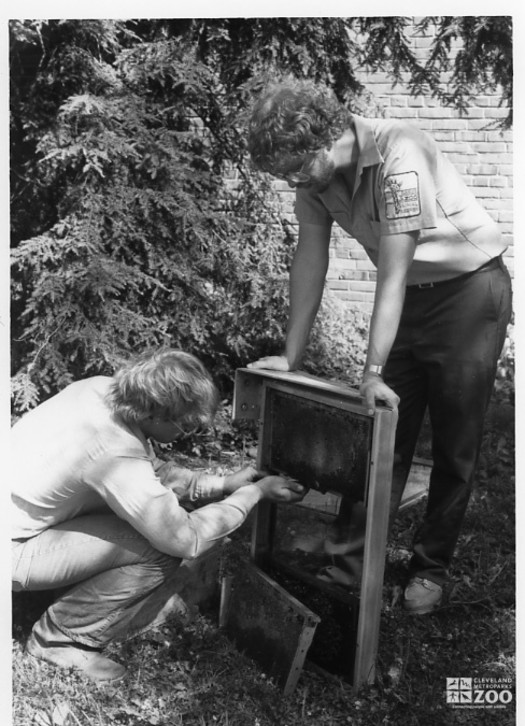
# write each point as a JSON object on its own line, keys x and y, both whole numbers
{"x": 374, "y": 369}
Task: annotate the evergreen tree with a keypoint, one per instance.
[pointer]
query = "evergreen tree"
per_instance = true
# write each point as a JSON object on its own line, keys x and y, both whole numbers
{"x": 135, "y": 218}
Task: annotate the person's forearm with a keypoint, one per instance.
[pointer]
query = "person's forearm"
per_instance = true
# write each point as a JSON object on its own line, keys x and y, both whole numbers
{"x": 395, "y": 257}
{"x": 306, "y": 292}
{"x": 383, "y": 329}
{"x": 214, "y": 522}
{"x": 384, "y": 323}
{"x": 190, "y": 485}
{"x": 178, "y": 533}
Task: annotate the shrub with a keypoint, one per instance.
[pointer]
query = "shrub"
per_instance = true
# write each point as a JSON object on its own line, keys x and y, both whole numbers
{"x": 150, "y": 242}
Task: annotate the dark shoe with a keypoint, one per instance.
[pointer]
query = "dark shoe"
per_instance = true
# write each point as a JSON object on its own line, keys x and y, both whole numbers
{"x": 71, "y": 655}
{"x": 422, "y": 596}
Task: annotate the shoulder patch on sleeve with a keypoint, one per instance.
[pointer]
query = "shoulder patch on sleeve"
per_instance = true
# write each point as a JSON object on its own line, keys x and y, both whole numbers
{"x": 402, "y": 195}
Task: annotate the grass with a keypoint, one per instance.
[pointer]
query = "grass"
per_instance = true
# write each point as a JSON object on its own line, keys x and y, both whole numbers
{"x": 193, "y": 676}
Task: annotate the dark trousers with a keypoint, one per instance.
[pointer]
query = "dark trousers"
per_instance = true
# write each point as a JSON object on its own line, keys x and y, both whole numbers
{"x": 444, "y": 357}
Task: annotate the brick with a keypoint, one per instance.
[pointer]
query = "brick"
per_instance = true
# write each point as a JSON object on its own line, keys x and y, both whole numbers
{"x": 476, "y": 168}
{"x": 354, "y": 296}
{"x": 432, "y": 102}
{"x": 364, "y": 265}
{"x": 497, "y": 111}
{"x": 440, "y": 135}
{"x": 493, "y": 203}
{"x": 290, "y": 218}
{"x": 450, "y": 123}
{"x": 403, "y": 113}
{"x": 359, "y": 254}
{"x": 398, "y": 101}
{"x": 474, "y": 113}
{"x": 501, "y": 135}
{"x": 337, "y": 284}
{"x": 440, "y": 113}
{"x": 483, "y": 100}
{"x": 468, "y": 135}
{"x": 360, "y": 275}
{"x": 416, "y": 101}
{"x": 287, "y": 199}
{"x": 450, "y": 147}
{"x": 494, "y": 158}
{"x": 499, "y": 181}
{"x": 482, "y": 191}
{"x": 349, "y": 267}
{"x": 489, "y": 181}
{"x": 379, "y": 76}
{"x": 363, "y": 285}
{"x": 445, "y": 77}
{"x": 422, "y": 42}
{"x": 345, "y": 241}
{"x": 483, "y": 125}
{"x": 492, "y": 147}
{"x": 380, "y": 89}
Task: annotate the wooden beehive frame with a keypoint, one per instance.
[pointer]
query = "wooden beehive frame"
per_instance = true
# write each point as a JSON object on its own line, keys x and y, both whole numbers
{"x": 274, "y": 627}
{"x": 251, "y": 388}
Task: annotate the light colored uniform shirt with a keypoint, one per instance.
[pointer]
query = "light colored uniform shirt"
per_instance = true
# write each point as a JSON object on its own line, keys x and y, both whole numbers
{"x": 404, "y": 183}
{"x": 71, "y": 457}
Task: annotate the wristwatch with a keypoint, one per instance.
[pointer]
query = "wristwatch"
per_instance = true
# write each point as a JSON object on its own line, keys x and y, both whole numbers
{"x": 374, "y": 369}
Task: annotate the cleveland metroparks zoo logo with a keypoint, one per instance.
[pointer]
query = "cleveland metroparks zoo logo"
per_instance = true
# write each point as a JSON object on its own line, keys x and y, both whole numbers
{"x": 401, "y": 193}
{"x": 479, "y": 692}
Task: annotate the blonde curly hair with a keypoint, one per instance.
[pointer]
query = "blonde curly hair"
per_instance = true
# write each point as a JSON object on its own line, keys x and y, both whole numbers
{"x": 169, "y": 383}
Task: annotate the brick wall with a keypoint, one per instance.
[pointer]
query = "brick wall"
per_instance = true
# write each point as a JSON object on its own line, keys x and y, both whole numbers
{"x": 480, "y": 152}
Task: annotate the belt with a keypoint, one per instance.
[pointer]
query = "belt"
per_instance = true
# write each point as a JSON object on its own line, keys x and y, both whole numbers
{"x": 492, "y": 264}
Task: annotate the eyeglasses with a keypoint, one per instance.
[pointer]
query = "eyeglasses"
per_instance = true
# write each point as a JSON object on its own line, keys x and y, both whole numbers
{"x": 183, "y": 430}
{"x": 298, "y": 177}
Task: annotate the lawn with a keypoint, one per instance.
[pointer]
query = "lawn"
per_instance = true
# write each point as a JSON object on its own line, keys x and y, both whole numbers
{"x": 191, "y": 675}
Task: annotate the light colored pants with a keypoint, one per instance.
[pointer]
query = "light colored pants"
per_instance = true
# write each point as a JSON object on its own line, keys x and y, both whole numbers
{"x": 117, "y": 583}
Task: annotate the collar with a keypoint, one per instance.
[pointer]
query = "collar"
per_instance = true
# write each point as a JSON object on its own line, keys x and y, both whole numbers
{"x": 369, "y": 154}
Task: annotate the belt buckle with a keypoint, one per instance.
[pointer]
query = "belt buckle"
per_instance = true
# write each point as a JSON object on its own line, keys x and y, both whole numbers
{"x": 423, "y": 285}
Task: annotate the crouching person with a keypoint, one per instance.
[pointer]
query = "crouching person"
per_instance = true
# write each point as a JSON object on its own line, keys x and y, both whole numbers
{"x": 94, "y": 512}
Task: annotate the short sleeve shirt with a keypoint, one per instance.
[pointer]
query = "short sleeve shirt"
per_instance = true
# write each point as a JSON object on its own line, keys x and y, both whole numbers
{"x": 404, "y": 183}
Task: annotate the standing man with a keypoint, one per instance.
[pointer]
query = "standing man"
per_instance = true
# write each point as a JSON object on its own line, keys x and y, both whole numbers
{"x": 443, "y": 294}
{"x": 96, "y": 513}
